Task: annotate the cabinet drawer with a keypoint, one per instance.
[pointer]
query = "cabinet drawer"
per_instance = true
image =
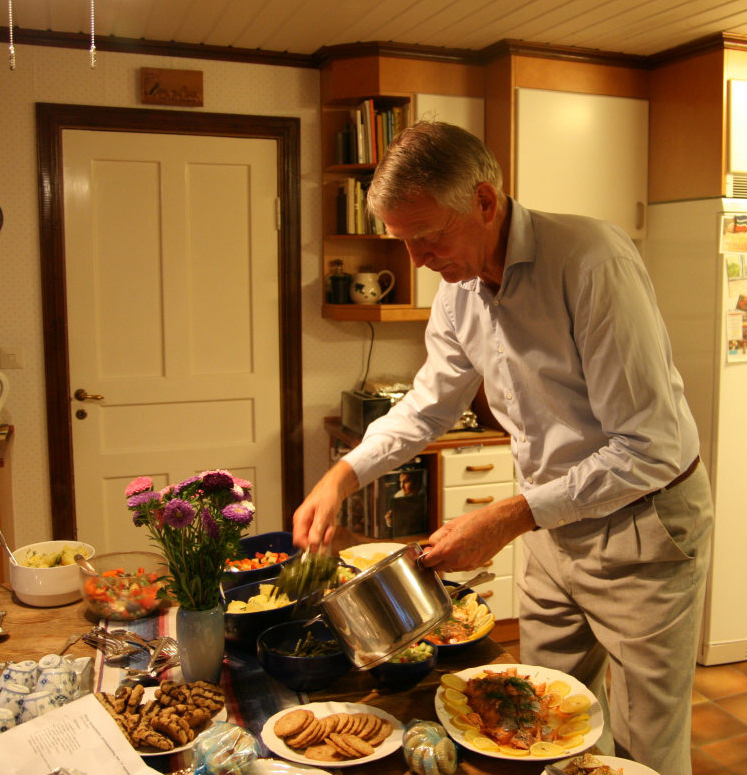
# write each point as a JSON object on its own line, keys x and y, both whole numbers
{"x": 498, "y": 593}
{"x": 459, "y": 500}
{"x": 475, "y": 466}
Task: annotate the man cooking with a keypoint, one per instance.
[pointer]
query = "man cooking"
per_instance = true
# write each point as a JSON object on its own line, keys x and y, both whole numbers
{"x": 557, "y": 316}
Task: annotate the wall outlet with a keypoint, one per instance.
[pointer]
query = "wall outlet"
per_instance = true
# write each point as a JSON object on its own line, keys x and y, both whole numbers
{"x": 11, "y": 358}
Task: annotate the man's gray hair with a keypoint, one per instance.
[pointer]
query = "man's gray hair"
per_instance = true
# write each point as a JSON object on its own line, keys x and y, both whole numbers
{"x": 435, "y": 158}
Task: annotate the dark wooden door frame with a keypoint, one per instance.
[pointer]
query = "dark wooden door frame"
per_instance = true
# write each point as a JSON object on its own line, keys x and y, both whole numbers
{"x": 51, "y": 120}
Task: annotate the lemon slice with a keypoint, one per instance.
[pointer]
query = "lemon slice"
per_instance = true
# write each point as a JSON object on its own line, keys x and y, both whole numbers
{"x": 483, "y": 743}
{"x": 458, "y": 708}
{"x": 483, "y": 629}
{"x": 453, "y": 681}
{"x": 542, "y": 748}
{"x": 509, "y": 750}
{"x": 455, "y": 697}
{"x": 553, "y": 699}
{"x": 579, "y": 717}
{"x": 572, "y": 728}
{"x": 563, "y": 688}
{"x": 571, "y": 742}
{"x": 464, "y": 722}
{"x": 576, "y": 703}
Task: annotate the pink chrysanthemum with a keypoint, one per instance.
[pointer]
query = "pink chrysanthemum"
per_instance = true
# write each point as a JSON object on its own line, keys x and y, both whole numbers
{"x": 141, "y": 484}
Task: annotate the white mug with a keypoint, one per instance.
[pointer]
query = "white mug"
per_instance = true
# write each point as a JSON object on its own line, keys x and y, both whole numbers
{"x": 366, "y": 289}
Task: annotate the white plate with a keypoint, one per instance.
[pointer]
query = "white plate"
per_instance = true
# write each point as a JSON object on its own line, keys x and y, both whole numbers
{"x": 628, "y": 767}
{"x": 536, "y": 675}
{"x": 278, "y": 746}
{"x": 368, "y": 553}
{"x": 276, "y": 767}
{"x": 149, "y": 694}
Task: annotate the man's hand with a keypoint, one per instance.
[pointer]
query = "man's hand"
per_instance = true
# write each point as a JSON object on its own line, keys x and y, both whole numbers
{"x": 473, "y": 539}
{"x": 314, "y": 520}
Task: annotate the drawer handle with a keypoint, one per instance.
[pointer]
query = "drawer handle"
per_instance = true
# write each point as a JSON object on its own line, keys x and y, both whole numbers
{"x": 488, "y": 499}
{"x": 486, "y": 467}
{"x": 486, "y": 595}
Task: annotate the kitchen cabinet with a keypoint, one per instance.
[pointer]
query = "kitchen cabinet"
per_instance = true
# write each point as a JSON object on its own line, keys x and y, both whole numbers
{"x": 466, "y": 471}
{"x": 585, "y": 154}
{"x": 473, "y": 476}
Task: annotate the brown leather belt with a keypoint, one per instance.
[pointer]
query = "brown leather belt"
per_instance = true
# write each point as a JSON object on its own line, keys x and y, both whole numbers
{"x": 677, "y": 480}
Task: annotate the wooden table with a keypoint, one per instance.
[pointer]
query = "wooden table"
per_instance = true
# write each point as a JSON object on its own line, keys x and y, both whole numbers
{"x": 34, "y": 632}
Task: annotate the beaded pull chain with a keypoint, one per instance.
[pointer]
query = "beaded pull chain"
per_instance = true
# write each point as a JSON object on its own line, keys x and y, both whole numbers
{"x": 93, "y": 42}
{"x": 12, "y": 50}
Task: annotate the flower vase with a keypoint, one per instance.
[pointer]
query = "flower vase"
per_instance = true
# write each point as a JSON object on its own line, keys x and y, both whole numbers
{"x": 201, "y": 636}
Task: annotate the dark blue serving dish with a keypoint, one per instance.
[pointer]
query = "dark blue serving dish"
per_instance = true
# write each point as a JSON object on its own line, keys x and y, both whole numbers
{"x": 278, "y": 541}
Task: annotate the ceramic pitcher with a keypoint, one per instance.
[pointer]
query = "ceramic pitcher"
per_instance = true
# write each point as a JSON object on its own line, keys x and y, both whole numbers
{"x": 366, "y": 289}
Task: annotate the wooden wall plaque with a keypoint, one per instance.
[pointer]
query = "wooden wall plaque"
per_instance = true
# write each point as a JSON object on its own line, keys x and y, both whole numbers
{"x": 171, "y": 87}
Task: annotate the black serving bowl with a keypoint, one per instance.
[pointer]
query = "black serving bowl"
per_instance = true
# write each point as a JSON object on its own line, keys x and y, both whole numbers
{"x": 403, "y": 675}
{"x": 243, "y": 629}
{"x": 447, "y": 649}
{"x": 301, "y": 674}
{"x": 278, "y": 541}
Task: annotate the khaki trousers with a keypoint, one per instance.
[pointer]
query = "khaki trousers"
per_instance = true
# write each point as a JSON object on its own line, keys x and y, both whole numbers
{"x": 626, "y": 593}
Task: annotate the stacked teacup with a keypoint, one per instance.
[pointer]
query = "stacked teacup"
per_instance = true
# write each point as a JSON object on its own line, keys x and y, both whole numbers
{"x": 29, "y": 689}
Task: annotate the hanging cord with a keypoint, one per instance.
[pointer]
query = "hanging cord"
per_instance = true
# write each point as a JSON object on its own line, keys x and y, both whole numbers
{"x": 92, "y": 50}
{"x": 370, "y": 350}
{"x": 11, "y": 50}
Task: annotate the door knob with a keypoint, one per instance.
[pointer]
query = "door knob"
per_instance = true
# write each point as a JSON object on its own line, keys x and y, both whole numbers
{"x": 82, "y": 395}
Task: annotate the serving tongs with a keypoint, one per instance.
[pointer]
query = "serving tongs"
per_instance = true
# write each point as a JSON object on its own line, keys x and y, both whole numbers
{"x": 307, "y": 577}
{"x": 480, "y": 578}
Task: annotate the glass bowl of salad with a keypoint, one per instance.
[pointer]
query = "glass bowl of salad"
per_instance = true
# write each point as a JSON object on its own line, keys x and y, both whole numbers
{"x": 407, "y": 667}
{"x": 260, "y": 557}
{"x": 125, "y": 585}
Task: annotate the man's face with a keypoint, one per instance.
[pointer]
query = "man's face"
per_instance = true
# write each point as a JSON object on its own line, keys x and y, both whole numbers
{"x": 406, "y": 485}
{"x": 447, "y": 242}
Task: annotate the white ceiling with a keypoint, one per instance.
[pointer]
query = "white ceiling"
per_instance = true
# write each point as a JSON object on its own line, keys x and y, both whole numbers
{"x": 642, "y": 27}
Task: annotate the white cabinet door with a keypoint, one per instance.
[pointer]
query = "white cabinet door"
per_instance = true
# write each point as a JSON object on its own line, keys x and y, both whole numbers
{"x": 585, "y": 154}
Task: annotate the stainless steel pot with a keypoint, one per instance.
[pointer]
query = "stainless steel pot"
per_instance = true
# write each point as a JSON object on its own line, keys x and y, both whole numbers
{"x": 386, "y": 608}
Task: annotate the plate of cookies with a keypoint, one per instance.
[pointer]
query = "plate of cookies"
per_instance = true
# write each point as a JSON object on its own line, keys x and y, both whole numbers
{"x": 165, "y": 719}
{"x": 342, "y": 734}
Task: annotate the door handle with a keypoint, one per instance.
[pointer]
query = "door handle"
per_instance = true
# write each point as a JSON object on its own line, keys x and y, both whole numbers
{"x": 82, "y": 395}
{"x": 486, "y": 467}
{"x": 488, "y": 499}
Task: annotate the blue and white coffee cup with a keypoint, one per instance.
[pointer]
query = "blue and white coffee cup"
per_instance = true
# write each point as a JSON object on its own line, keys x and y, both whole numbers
{"x": 24, "y": 673}
{"x": 49, "y": 661}
{"x": 61, "y": 681}
{"x": 12, "y": 697}
{"x": 7, "y": 719}
{"x": 36, "y": 704}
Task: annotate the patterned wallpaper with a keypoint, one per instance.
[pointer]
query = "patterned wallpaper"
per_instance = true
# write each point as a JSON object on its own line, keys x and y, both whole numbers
{"x": 334, "y": 354}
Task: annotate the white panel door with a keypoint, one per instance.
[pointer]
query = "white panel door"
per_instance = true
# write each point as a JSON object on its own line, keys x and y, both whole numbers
{"x": 585, "y": 154}
{"x": 172, "y": 291}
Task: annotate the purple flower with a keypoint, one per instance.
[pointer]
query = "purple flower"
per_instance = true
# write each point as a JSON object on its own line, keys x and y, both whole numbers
{"x": 183, "y": 485}
{"x": 140, "y": 484}
{"x": 209, "y": 525}
{"x": 241, "y": 513}
{"x": 141, "y": 498}
{"x": 178, "y": 513}
{"x": 216, "y": 480}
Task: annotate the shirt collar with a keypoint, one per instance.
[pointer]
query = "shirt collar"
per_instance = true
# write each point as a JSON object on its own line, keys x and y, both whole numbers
{"x": 521, "y": 244}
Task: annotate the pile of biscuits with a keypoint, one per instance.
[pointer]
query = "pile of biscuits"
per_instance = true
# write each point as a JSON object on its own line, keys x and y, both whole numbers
{"x": 334, "y": 737}
{"x": 172, "y": 719}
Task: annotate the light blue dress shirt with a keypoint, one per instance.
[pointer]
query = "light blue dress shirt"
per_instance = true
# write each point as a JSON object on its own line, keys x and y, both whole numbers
{"x": 577, "y": 367}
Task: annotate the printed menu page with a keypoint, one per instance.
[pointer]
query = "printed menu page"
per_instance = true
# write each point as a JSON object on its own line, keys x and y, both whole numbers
{"x": 80, "y": 736}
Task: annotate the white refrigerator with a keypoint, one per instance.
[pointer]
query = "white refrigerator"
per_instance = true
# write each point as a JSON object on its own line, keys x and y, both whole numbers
{"x": 696, "y": 252}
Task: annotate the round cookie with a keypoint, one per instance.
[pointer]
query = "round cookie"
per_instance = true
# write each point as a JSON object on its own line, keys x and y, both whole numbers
{"x": 293, "y": 722}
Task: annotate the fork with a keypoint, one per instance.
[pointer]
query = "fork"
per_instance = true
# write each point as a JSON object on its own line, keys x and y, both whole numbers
{"x": 114, "y": 648}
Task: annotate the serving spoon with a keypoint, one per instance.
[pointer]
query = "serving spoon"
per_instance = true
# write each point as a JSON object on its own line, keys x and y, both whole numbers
{"x": 7, "y": 549}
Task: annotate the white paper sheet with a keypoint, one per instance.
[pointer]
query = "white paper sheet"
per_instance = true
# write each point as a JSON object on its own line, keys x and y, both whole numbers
{"x": 80, "y": 735}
